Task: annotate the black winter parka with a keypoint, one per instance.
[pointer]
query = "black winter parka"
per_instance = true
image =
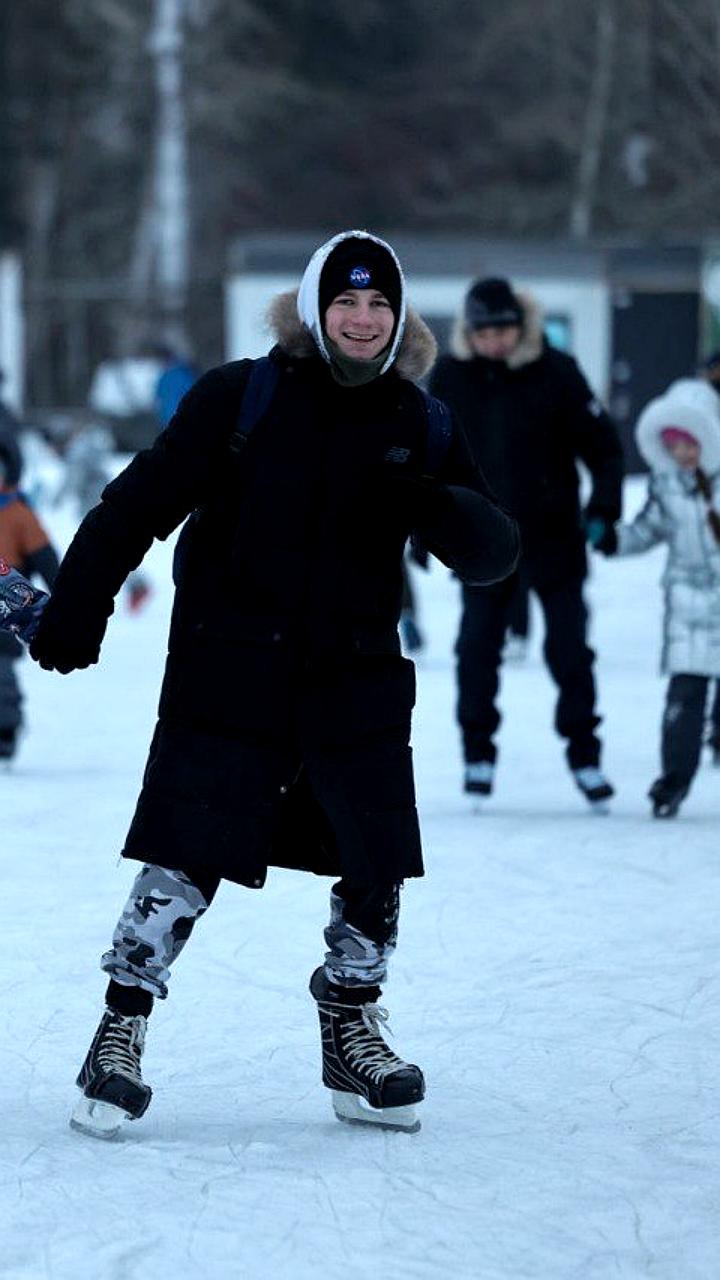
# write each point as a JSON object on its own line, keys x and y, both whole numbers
{"x": 284, "y": 719}
{"x": 528, "y": 422}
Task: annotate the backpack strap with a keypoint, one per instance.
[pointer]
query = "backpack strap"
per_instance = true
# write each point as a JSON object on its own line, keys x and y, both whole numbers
{"x": 257, "y": 397}
{"x": 439, "y": 431}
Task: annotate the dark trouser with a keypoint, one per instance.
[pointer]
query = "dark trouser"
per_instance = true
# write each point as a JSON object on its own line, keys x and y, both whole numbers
{"x": 568, "y": 657}
{"x": 682, "y": 727}
{"x": 518, "y": 620}
{"x": 164, "y": 907}
{"x": 10, "y": 695}
{"x": 714, "y": 730}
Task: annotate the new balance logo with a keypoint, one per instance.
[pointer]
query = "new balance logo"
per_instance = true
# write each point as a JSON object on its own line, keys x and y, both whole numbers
{"x": 396, "y": 454}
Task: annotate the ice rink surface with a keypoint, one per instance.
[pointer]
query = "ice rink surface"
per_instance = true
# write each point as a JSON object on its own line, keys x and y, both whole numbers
{"x": 558, "y": 979}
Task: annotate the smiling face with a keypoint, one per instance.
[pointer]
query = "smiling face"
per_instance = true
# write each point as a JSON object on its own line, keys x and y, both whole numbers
{"x": 360, "y": 322}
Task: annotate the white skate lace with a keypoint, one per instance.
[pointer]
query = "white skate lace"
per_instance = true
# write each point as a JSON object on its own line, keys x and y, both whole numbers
{"x": 122, "y": 1045}
{"x": 364, "y": 1046}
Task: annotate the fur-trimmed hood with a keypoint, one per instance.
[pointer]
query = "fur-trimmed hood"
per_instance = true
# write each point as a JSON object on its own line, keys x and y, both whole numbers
{"x": 530, "y": 346}
{"x": 415, "y": 355}
{"x": 691, "y": 404}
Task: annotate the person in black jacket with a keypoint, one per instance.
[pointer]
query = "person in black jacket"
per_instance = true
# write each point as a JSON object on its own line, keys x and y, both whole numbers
{"x": 529, "y": 417}
{"x": 284, "y": 719}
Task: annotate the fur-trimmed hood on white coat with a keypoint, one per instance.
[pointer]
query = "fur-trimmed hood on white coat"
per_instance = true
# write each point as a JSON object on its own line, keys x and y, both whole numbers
{"x": 690, "y": 404}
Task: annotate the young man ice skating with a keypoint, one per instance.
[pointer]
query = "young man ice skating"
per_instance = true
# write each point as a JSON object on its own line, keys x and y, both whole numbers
{"x": 529, "y": 417}
{"x": 284, "y": 719}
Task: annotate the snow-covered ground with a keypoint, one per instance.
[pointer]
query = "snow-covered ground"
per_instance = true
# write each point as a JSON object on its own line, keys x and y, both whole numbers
{"x": 558, "y": 979}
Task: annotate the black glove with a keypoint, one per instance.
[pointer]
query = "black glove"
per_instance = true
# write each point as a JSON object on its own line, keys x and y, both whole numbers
{"x": 601, "y": 535}
{"x": 67, "y": 638}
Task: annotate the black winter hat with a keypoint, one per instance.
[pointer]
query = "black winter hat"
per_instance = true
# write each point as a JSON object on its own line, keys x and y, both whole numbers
{"x": 492, "y": 303}
{"x": 359, "y": 264}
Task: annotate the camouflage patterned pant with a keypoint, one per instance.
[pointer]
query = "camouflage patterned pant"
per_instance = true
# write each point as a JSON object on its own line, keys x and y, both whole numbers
{"x": 163, "y": 907}
{"x": 155, "y": 924}
{"x": 354, "y": 958}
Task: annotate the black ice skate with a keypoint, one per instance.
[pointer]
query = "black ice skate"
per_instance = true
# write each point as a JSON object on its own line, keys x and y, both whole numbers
{"x": 369, "y": 1083}
{"x": 595, "y": 787}
{"x": 479, "y": 778}
{"x": 667, "y": 794}
{"x": 8, "y": 744}
{"x": 113, "y": 1089}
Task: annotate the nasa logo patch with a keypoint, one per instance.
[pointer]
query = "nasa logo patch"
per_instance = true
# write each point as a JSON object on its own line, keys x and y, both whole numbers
{"x": 359, "y": 277}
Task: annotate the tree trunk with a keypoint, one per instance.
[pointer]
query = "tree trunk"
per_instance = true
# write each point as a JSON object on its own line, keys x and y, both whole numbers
{"x": 595, "y": 122}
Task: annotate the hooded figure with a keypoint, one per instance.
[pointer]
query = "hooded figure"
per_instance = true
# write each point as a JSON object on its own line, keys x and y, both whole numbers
{"x": 284, "y": 719}
{"x": 530, "y": 418}
{"x": 678, "y": 435}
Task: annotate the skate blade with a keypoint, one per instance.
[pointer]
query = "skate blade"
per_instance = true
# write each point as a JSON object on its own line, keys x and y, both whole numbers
{"x": 600, "y": 807}
{"x": 98, "y": 1119}
{"x": 352, "y": 1109}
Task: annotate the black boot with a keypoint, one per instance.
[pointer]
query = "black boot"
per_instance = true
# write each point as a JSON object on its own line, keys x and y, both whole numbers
{"x": 112, "y": 1086}
{"x": 667, "y": 794}
{"x": 479, "y": 777}
{"x": 369, "y": 1083}
{"x": 595, "y": 787}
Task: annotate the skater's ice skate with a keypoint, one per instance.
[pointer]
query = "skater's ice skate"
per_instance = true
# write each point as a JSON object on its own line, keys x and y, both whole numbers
{"x": 369, "y": 1083}
{"x": 595, "y": 787}
{"x": 113, "y": 1089}
{"x": 479, "y": 778}
{"x": 667, "y": 794}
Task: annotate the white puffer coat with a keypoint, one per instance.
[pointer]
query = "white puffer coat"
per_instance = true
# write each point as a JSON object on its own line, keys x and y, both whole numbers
{"x": 676, "y": 513}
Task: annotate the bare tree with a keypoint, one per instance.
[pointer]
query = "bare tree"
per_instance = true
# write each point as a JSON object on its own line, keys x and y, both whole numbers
{"x": 596, "y": 118}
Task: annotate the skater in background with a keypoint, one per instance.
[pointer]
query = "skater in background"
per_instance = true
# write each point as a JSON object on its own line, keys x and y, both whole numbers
{"x": 10, "y": 431}
{"x": 284, "y": 721}
{"x": 529, "y": 417}
{"x": 177, "y": 375}
{"x": 87, "y": 456}
{"x": 678, "y": 435}
{"x": 26, "y": 546}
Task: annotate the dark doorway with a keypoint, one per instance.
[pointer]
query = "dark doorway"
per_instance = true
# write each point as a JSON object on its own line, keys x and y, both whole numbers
{"x": 654, "y": 340}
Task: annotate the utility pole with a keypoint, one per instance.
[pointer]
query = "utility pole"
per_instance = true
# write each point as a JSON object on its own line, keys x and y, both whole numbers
{"x": 170, "y": 186}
